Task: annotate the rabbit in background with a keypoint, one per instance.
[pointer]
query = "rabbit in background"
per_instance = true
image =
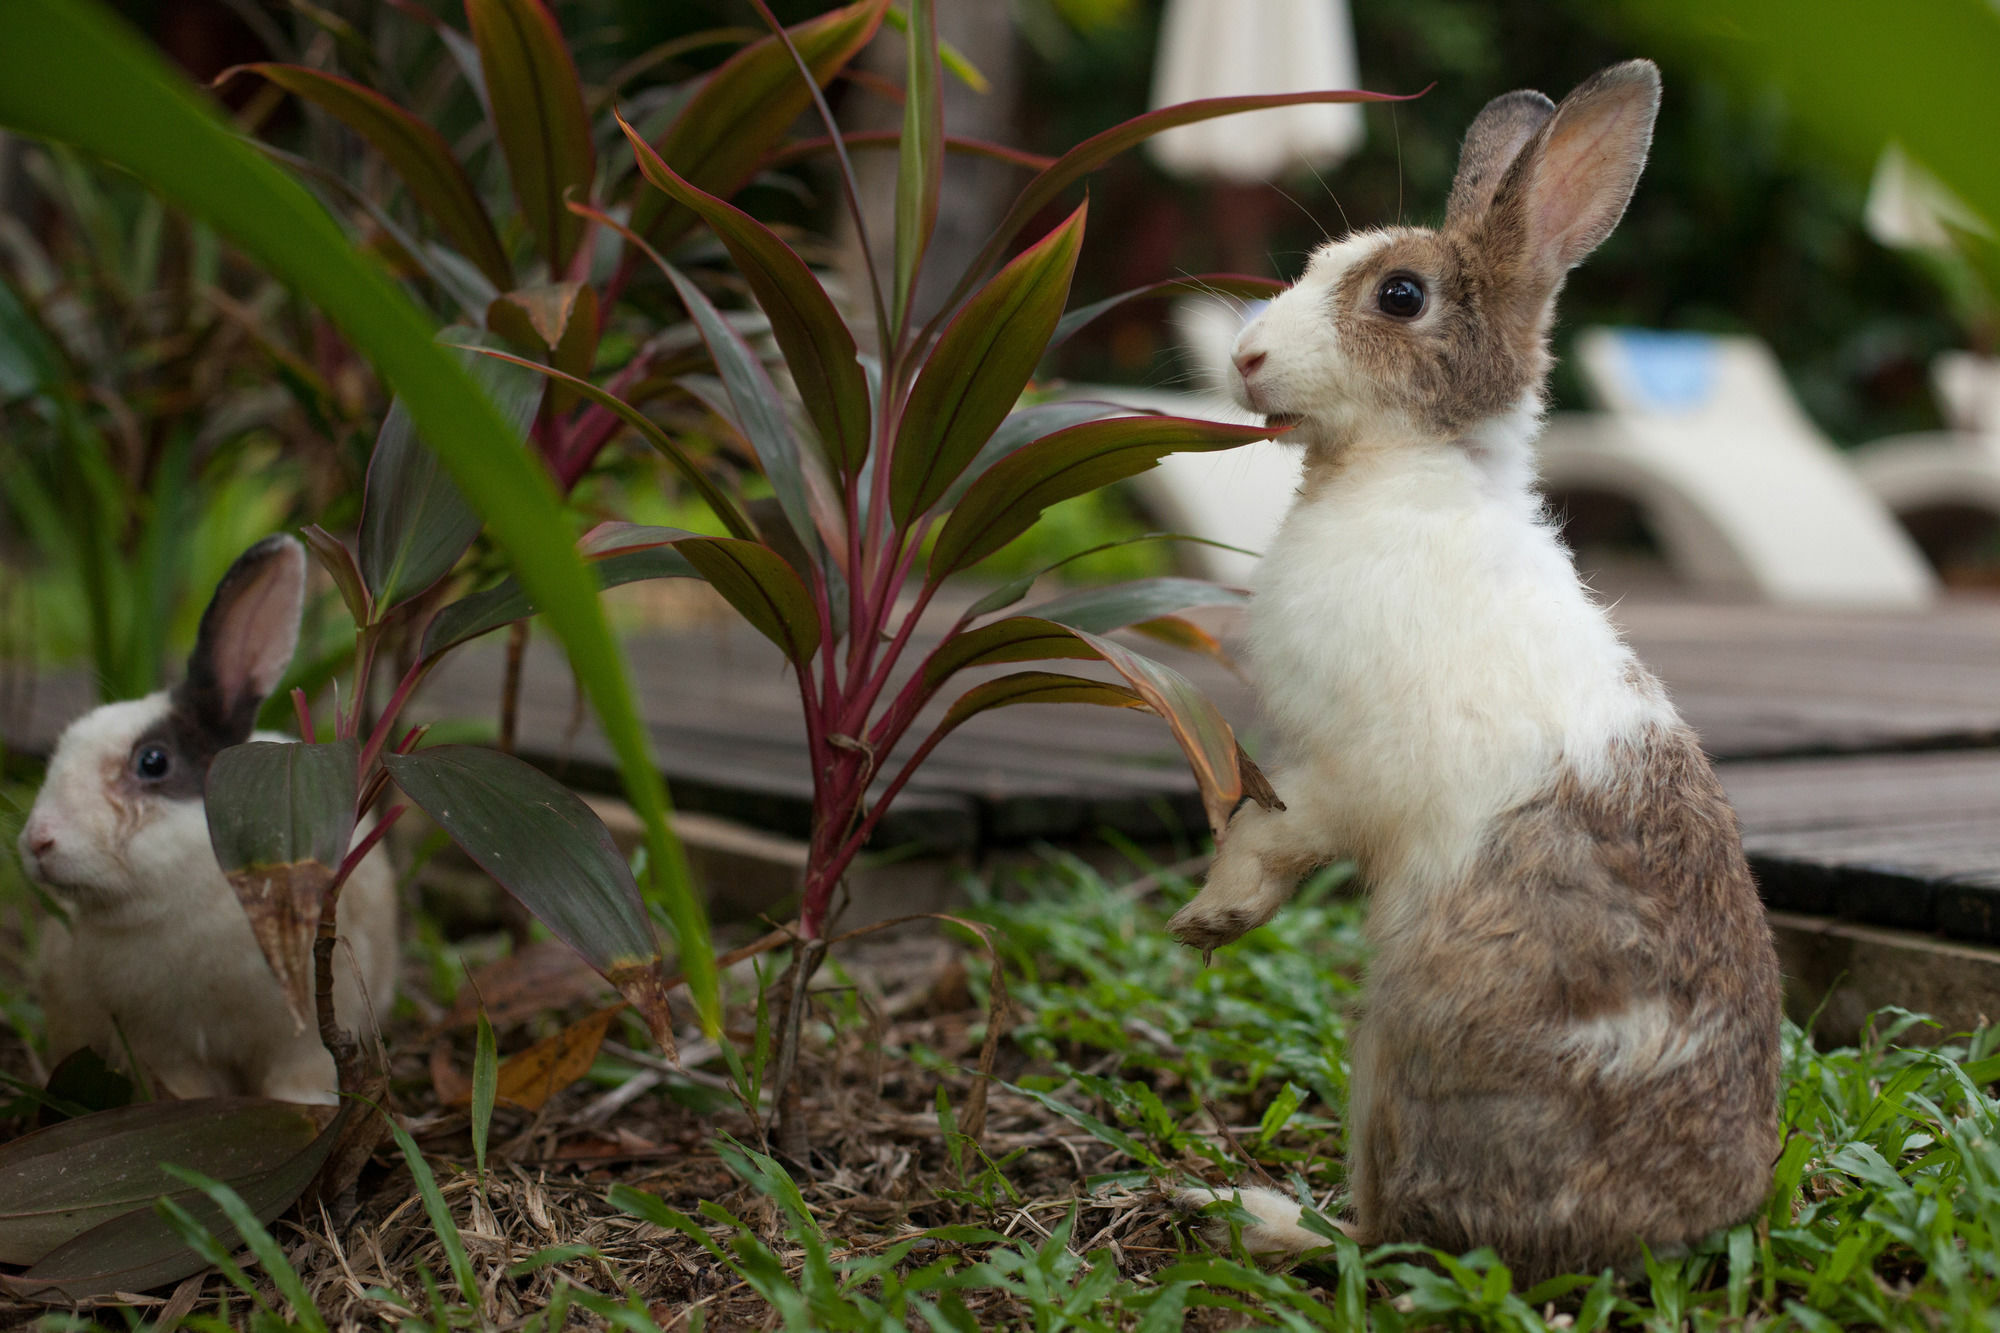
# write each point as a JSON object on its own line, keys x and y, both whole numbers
{"x": 157, "y": 959}
{"x": 1569, "y": 1045}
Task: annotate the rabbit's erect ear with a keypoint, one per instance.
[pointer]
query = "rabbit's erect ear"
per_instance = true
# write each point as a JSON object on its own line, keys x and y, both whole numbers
{"x": 248, "y": 635}
{"x": 1569, "y": 185}
{"x": 1491, "y": 146}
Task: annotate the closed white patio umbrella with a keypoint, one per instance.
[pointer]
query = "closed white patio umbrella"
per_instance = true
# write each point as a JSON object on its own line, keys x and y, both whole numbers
{"x": 1233, "y": 48}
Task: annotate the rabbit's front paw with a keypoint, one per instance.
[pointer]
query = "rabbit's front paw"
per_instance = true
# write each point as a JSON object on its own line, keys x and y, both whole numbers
{"x": 1240, "y": 896}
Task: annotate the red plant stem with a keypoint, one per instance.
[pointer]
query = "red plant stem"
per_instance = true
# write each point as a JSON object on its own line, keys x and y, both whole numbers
{"x": 863, "y": 701}
{"x": 304, "y": 711}
{"x": 364, "y": 667}
{"x": 380, "y": 735}
{"x": 596, "y": 425}
{"x": 829, "y": 868}
{"x": 359, "y": 852}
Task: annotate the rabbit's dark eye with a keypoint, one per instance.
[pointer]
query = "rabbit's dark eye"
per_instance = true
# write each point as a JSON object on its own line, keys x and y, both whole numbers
{"x": 1401, "y": 296}
{"x": 152, "y": 763}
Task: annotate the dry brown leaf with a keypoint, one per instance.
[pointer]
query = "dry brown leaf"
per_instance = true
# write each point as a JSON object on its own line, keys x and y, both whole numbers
{"x": 527, "y": 1079}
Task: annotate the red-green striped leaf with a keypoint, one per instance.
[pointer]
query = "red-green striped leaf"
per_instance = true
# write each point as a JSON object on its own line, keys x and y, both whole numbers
{"x": 417, "y": 154}
{"x": 818, "y": 346}
{"x": 762, "y": 587}
{"x": 1037, "y": 687}
{"x": 1095, "y": 151}
{"x": 1015, "y": 639}
{"x": 920, "y": 163}
{"x": 1213, "y": 284}
{"x": 538, "y": 116}
{"x": 975, "y": 374}
{"x": 507, "y": 601}
{"x": 724, "y": 132}
{"x": 542, "y": 844}
{"x": 268, "y": 1152}
{"x": 1006, "y": 501}
{"x": 1204, "y": 735}
{"x": 415, "y": 522}
{"x": 280, "y": 817}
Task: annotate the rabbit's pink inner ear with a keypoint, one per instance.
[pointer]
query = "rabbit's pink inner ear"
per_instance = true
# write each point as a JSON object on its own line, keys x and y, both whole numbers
{"x": 251, "y": 629}
{"x": 1588, "y": 163}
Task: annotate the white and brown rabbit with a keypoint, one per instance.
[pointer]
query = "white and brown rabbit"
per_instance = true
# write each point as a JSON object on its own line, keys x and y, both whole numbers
{"x": 158, "y": 961}
{"x": 1570, "y": 1041}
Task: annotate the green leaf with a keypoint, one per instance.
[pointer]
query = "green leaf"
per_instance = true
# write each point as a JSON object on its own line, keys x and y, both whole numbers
{"x": 542, "y": 844}
{"x": 538, "y": 116}
{"x": 975, "y": 374}
{"x": 955, "y": 60}
{"x": 1095, "y": 151}
{"x": 760, "y": 411}
{"x": 106, "y": 1168}
{"x": 1006, "y": 501}
{"x": 280, "y": 818}
{"x": 415, "y": 521}
{"x": 763, "y": 588}
{"x": 1024, "y": 426}
{"x": 1212, "y": 284}
{"x": 338, "y": 562}
{"x": 1036, "y": 687}
{"x": 59, "y": 1182}
{"x": 920, "y": 164}
{"x": 485, "y": 1086}
{"x": 1015, "y": 639}
{"x": 718, "y": 503}
{"x": 70, "y": 71}
{"x": 1101, "y": 610}
{"x": 507, "y": 601}
{"x": 417, "y": 154}
{"x": 818, "y": 346}
{"x": 721, "y": 136}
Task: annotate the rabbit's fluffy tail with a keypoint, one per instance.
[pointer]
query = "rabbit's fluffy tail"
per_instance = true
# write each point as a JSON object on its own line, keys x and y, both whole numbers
{"x": 1277, "y": 1230}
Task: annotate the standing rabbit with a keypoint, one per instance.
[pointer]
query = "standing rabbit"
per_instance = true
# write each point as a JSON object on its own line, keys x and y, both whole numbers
{"x": 158, "y": 960}
{"x": 1570, "y": 1041}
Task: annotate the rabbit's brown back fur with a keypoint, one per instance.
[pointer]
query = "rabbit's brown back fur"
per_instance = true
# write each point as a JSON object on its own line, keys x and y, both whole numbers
{"x": 1621, "y": 911}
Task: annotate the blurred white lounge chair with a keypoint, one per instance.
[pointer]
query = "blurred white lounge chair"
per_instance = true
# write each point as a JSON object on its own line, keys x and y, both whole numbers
{"x": 1945, "y": 485}
{"x": 1742, "y": 490}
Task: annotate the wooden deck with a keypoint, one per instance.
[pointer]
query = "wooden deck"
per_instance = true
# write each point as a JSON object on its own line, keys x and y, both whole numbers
{"x": 1862, "y": 751}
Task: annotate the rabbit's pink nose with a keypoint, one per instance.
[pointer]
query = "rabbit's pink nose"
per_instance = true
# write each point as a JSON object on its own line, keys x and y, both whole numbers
{"x": 40, "y": 841}
{"x": 1247, "y": 363}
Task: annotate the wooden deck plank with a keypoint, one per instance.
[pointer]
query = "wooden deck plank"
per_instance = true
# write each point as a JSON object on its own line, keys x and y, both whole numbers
{"x": 1872, "y": 813}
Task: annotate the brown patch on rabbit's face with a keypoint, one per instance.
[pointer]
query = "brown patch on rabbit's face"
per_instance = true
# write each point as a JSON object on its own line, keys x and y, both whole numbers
{"x": 1402, "y": 332}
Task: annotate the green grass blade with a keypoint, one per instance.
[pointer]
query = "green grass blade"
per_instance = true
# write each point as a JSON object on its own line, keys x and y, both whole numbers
{"x": 438, "y": 1212}
{"x": 485, "y": 1086}
{"x": 270, "y": 1255}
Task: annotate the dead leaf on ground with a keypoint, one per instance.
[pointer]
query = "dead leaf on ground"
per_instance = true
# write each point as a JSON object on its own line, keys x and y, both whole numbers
{"x": 545, "y": 975}
{"x": 527, "y": 1079}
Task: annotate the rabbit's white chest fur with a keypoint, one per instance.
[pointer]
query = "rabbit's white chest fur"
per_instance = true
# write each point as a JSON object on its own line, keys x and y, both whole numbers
{"x": 1423, "y": 643}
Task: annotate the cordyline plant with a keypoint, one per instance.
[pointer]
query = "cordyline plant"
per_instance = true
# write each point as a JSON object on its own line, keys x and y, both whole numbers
{"x": 912, "y": 467}
{"x": 539, "y": 293}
